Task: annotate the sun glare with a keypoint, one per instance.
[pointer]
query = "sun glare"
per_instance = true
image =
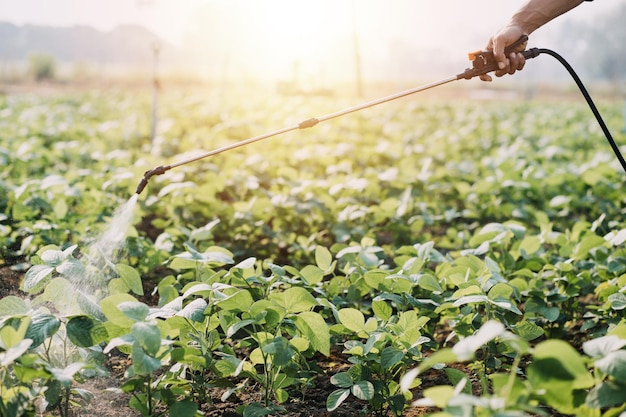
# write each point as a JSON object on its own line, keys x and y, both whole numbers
{"x": 278, "y": 38}
{"x": 322, "y": 43}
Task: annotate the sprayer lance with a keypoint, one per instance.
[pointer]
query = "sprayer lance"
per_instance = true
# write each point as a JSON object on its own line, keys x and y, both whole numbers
{"x": 483, "y": 62}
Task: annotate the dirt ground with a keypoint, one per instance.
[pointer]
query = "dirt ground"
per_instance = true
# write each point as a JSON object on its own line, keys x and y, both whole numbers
{"x": 108, "y": 402}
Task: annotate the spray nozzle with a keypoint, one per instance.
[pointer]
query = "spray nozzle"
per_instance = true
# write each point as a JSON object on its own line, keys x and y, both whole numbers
{"x": 149, "y": 174}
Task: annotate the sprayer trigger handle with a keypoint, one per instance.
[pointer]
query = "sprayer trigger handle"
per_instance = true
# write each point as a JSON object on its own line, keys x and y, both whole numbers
{"x": 482, "y": 59}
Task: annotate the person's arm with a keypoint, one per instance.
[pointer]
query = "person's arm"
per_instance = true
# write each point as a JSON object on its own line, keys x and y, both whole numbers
{"x": 530, "y": 17}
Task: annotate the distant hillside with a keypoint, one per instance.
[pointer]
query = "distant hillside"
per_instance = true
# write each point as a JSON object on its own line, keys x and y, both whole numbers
{"x": 125, "y": 45}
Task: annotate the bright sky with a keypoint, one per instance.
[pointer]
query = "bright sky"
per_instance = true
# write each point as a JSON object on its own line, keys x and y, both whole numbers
{"x": 281, "y": 32}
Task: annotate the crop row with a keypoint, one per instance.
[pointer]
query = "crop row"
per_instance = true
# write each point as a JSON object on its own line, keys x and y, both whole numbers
{"x": 408, "y": 238}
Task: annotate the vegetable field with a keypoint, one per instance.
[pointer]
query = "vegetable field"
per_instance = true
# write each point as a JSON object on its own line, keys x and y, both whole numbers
{"x": 422, "y": 257}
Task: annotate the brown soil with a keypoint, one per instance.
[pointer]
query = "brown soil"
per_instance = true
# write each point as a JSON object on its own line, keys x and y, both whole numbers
{"x": 10, "y": 281}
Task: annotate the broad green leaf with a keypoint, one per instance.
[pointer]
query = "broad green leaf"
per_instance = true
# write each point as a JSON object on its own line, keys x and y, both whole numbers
{"x": 313, "y": 326}
{"x": 560, "y": 373}
{"x": 138, "y": 403}
{"x": 550, "y": 313}
{"x": 368, "y": 257}
{"x": 89, "y": 305}
{"x": 378, "y": 280}
{"x": 35, "y": 276}
{"x": 390, "y": 356}
{"x": 148, "y": 335}
{"x": 469, "y": 299}
{"x": 618, "y": 301}
{"x": 246, "y": 263}
{"x": 348, "y": 251}
{"x": 602, "y": 346}
{"x": 530, "y": 245}
{"x": 203, "y": 233}
{"x": 84, "y": 331}
{"x": 294, "y": 300}
{"x": 184, "y": 408}
{"x": 606, "y": 395}
{"x": 588, "y": 243}
{"x": 12, "y": 306}
{"x": 179, "y": 263}
{"x": 506, "y": 305}
{"x": 439, "y": 395}
{"x": 14, "y": 352}
{"x": 71, "y": 268}
{"x": 352, "y": 318}
{"x": 560, "y": 200}
{"x": 228, "y": 367}
{"x": 239, "y": 301}
{"x": 312, "y": 274}
{"x": 41, "y": 327}
{"x": 143, "y": 364}
{"x": 256, "y": 357}
{"x": 301, "y": 344}
{"x": 363, "y": 390}
{"x": 268, "y": 312}
{"x": 342, "y": 380}
{"x": 466, "y": 347}
{"x": 280, "y": 349}
{"x": 596, "y": 174}
{"x": 614, "y": 364}
{"x": 235, "y": 327}
{"x": 442, "y": 356}
{"x": 53, "y": 257}
{"x": 211, "y": 255}
{"x": 10, "y": 336}
{"x": 110, "y": 309}
{"x": 616, "y": 239}
{"x": 125, "y": 340}
{"x": 323, "y": 258}
{"x": 456, "y": 376}
{"x": 281, "y": 395}
{"x": 134, "y": 310}
{"x": 429, "y": 283}
{"x": 257, "y": 410}
{"x": 382, "y": 309}
{"x": 335, "y": 398}
{"x": 197, "y": 288}
{"x": 117, "y": 286}
{"x": 60, "y": 209}
{"x": 60, "y": 292}
{"x": 66, "y": 375}
{"x": 130, "y": 277}
{"x": 500, "y": 290}
{"x": 502, "y": 387}
{"x": 492, "y": 232}
{"x": 528, "y": 330}
{"x": 194, "y": 310}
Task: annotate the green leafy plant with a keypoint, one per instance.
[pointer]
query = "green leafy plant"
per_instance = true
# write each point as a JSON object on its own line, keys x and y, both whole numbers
{"x": 39, "y": 361}
{"x": 141, "y": 337}
{"x": 448, "y": 219}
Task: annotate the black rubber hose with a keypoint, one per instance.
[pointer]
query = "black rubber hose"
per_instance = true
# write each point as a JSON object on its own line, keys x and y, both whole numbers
{"x": 590, "y": 102}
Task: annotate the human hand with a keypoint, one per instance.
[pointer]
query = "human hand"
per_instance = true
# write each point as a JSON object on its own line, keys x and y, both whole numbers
{"x": 515, "y": 60}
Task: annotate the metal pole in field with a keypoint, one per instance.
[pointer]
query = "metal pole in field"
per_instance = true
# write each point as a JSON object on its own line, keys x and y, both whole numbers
{"x": 155, "y": 91}
{"x": 357, "y": 54}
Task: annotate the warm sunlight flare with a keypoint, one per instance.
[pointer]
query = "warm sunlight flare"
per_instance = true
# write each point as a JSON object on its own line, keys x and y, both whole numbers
{"x": 328, "y": 41}
{"x": 281, "y": 39}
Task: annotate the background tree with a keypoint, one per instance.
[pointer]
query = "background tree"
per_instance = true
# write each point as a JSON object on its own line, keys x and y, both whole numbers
{"x": 42, "y": 67}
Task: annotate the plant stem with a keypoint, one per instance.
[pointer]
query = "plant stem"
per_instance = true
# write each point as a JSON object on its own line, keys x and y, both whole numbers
{"x": 66, "y": 403}
{"x": 149, "y": 395}
{"x": 511, "y": 381}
